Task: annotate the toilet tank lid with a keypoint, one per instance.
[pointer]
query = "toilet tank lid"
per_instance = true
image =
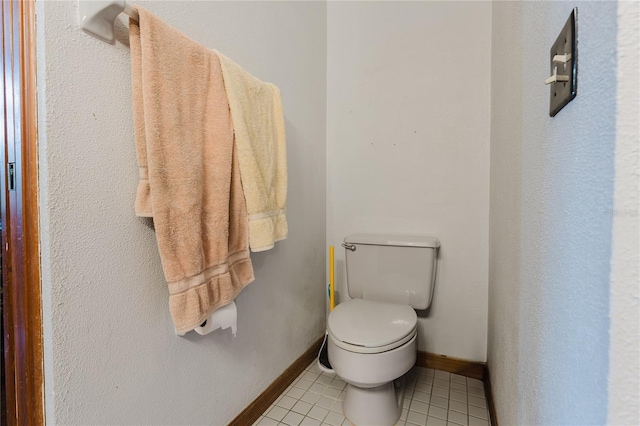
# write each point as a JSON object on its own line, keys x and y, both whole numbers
{"x": 402, "y": 240}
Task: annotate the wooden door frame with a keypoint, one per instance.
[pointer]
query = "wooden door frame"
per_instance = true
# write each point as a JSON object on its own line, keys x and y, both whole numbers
{"x": 19, "y": 210}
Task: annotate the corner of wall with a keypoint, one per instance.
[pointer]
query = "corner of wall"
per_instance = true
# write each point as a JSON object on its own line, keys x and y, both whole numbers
{"x": 624, "y": 351}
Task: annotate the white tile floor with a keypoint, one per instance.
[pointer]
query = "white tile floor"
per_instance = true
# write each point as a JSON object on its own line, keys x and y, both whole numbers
{"x": 432, "y": 397}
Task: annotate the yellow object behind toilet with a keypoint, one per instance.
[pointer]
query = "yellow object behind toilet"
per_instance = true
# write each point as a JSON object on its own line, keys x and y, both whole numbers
{"x": 332, "y": 289}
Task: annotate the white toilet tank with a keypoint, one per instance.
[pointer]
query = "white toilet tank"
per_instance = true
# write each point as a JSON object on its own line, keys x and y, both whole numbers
{"x": 391, "y": 268}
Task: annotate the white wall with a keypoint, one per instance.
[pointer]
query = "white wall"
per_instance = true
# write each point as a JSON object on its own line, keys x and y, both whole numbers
{"x": 552, "y": 183}
{"x": 408, "y": 146}
{"x": 505, "y": 219}
{"x": 110, "y": 350}
{"x": 624, "y": 350}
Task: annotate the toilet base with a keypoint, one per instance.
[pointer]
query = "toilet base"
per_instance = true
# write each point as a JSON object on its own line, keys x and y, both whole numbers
{"x": 378, "y": 406}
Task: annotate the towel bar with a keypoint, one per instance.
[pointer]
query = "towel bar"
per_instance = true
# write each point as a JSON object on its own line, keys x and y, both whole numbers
{"x": 97, "y": 18}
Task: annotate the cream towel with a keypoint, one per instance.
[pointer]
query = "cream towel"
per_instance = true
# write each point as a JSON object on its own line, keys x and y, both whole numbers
{"x": 189, "y": 176}
{"x": 258, "y": 122}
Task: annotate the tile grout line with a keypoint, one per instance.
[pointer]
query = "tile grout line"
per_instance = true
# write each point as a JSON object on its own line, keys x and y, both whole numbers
{"x": 422, "y": 380}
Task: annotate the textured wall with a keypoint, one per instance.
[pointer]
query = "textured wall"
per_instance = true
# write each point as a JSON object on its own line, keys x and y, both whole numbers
{"x": 624, "y": 352}
{"x": 551, "y": 192}
{"x": 408, "y": 146}
{"x": 505, "y": 240}
{"x": 110, "y": 350}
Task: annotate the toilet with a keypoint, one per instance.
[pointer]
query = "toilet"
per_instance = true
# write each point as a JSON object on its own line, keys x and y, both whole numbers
{"x": 372, "y": 337}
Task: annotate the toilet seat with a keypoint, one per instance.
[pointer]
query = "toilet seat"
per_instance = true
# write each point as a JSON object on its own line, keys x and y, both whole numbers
{"x": 368, "y": 327}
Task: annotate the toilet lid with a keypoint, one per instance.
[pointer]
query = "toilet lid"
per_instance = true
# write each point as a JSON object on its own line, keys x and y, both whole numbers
{"x": 371, "y": 324}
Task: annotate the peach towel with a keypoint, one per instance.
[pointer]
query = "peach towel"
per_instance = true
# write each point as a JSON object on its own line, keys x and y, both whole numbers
{"x": 258, "y": 123}
{"x": 189, "y": 177}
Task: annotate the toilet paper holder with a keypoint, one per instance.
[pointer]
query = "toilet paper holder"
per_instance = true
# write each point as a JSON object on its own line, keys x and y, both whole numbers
{"x": 223, "y": 318}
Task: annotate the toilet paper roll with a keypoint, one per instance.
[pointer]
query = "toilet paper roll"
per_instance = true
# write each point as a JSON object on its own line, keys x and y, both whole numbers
{"x": 225, "y": 317}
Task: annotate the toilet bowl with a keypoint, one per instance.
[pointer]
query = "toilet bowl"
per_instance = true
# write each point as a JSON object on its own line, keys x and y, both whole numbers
{"x": 370, "y": 345}
{"x": 372, "y": 338}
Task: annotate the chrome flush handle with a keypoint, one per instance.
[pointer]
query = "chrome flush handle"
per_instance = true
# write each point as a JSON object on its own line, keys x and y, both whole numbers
{"x": 351, "y": 247}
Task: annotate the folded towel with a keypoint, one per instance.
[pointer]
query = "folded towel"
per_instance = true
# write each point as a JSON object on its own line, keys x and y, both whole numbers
{"x": 189, "y": 176}
{"x": 258, "y": 122}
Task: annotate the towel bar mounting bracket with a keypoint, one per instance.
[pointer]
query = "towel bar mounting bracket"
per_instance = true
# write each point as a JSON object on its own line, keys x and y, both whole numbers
{"x": 97, "y": 17}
